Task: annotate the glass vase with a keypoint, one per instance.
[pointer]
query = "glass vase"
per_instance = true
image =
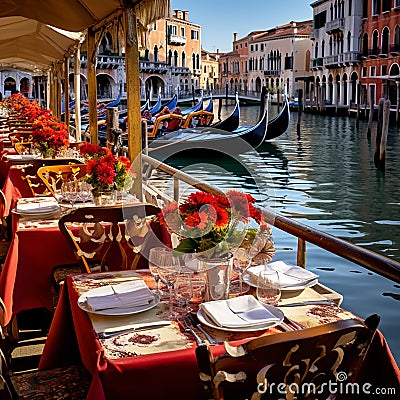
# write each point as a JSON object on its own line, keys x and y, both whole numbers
{"x": 218, "y": 273}
{"x": 104, "y": 197}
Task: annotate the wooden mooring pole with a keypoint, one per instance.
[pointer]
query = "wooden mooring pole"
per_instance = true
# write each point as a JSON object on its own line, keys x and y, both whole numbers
{"x": 112, "y": 124}
{"x": 381, "y": 133}
{"x": 371, "y": 115}
{"x": 358, "y": 104}
{"x": 299, "y": 109}
{"x": 219, "y": 108}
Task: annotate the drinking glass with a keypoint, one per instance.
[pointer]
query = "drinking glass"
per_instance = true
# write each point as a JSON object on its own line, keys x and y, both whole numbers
{"x": 268, "y": 286}
{"x": 168, "y": 268}
{"x": 241, "y": 261}
{"x": 69, "y": 190}
{"x": 85, "y": 191}
{"x": 155, "y": 255}
{"x": 189, "y": 288}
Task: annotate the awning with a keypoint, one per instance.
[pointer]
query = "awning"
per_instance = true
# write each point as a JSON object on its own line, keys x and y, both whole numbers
{"x": 32, "y": 46}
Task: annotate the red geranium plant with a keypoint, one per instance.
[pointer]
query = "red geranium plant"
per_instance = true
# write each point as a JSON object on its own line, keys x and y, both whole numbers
{"x": 49, "y": 136}
{"x": 213, "y": 225}
{"x": 106, "y": 171}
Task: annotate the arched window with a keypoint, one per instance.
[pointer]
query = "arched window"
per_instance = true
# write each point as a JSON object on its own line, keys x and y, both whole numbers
{"x": 193, "y": 61}
{"x": 350, "y": 6}
{"x": 397, "y": 38}
{"x": 183, "y": 59}
{"x": 170, "y": 57}
{"x": 376, "y": 7}
{"x": 375, "y": 38}
{"x": 175, "y": 58}
{"x": 365, "y": 45}
{"x": 385, "y": 40}
{"x": 316, "y": 50}
{"x": 197, "y": 61}
{"x": 323, "y": 49}
{"x": 330, "y": 46}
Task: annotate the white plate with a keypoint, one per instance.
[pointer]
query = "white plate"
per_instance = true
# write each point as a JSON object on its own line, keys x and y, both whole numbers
{"x": 26, "y": 214}
{"x": 82, "y": 303}
{"x": 273, "y": 310}
{"x": 246, "y": 278}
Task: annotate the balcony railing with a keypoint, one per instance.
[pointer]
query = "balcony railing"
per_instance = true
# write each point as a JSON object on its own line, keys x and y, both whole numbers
{"x": 197, "y": 72}
{"x": 272, "y": 72}
{"x": 180, "y": 70}
{"x": 337, "y": 25}
{"x": 153, "y": 67}
{"x": 176, "y": 40}
{"x": 110, "y": 62}
{"x": 373, "y": 53}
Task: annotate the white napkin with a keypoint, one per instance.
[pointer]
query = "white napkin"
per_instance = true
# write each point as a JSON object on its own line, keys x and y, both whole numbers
{"x": 238, "y": 312}
{"x": 128, "y": 294}
{"x": 289, "y": 275}
{"x": 36, "y": 205}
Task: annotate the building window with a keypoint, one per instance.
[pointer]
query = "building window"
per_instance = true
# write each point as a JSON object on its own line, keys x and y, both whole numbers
{"x": 172, "y": 29}
{"x": 182, "y": 31}
{"x": 383, "y": 70}
{"x": 386, "y": 5}
{"x": 194, "y": 35}
{"x": 262, "y": 47}
{"x": 385, "y": 40}
{"x": 364, "y": 72}
{"x": 372, "y": 71}
{"x": 376, "y": 7}
{"x": 396, "y": 3}
{"x": 375, "y": 38}
{"x": 251, "y": 48}
{"x": 289, "y": 62}
{"x": 349, "y": 41}
{"x": 350, "y": 6}
{"x": 256, "y": 47}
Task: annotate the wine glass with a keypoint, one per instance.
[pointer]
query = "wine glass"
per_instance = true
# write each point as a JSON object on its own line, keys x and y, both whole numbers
{"x": 155, "y": 255}
{"x": 189, "y": 288}
{"x": 85, "y": 191}
{"x": 268, "y": 286}
{"x": 241, "y": 261}
{"x": 69, "y": 190}
{"x": 168, "y": 267}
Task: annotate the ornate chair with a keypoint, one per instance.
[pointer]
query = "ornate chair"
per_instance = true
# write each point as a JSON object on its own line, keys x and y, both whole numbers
{"x": 54, "y": 175}
{"x": 108, "y": 238}
{"x": 272, "y": 366}
{"x": 72, "y": 382}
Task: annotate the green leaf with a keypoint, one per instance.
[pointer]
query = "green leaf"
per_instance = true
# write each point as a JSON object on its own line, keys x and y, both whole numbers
{"x": 186, "y": 246}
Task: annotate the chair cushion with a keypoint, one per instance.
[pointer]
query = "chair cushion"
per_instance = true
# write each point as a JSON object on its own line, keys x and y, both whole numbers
{"x": 60, "y": 272}
{"x": 60, "y": 383}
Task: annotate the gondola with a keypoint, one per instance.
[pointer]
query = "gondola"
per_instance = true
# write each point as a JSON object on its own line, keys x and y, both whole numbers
{"x": 145, "y": 106}
{"x": 157, "y": 107}
{"x": 197, "y": 107}
{"x": 209, "y": 140}
{"x": 232, "y": 122}
{"x": 279, "y": 124}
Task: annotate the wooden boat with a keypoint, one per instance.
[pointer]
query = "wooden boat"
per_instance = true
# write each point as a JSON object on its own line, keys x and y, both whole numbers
{"x": 190, "y": 140}
{"x": 232, "y": 122}
{"x": 197, "y": 107}
{"x": 157, "y": 107}
{"x": 279, "y": 124}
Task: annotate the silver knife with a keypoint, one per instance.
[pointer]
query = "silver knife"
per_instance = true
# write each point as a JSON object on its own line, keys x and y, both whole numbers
{"x": 309, "y": 303}
{"x": 151, "y": 325}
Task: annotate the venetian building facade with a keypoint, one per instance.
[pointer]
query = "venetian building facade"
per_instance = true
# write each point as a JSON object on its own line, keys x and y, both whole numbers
{"x": 279, "y": 59}
{"x": 336, "y": 53}
{"x": 13, "y": 81}
{"x": 380, "y": 47}
{"x": 209, "y": 80}
{"x": 171, "y": 62}
{"x": 234, "y": 65}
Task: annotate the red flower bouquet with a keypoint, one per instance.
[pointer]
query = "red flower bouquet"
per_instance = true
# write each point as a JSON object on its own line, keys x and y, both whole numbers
{"x": 106, "y": 171}
{"x": 212, "y": 225}
{"x": 49, "y": 136}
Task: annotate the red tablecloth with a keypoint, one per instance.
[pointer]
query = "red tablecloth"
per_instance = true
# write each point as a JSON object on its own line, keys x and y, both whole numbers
{"x": 15, "y": 187}
{"x": 169, "y": 375}
{"x": 25, "y": 281}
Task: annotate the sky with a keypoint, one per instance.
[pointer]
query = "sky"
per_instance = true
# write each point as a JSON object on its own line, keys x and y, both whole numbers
{"x": 219, "y": 19}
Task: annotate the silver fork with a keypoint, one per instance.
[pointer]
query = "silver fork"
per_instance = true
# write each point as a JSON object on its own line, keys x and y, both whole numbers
{"x": 187, "y": 328}
{"x": 191, "y": 319}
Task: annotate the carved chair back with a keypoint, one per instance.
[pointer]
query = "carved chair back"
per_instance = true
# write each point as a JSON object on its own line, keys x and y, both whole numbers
{"x": 112, "y": 238}
{"x": 283, "y": 366}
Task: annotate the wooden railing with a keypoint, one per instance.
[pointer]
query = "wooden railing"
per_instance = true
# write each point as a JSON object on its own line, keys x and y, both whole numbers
{"x": 381, "y": 265}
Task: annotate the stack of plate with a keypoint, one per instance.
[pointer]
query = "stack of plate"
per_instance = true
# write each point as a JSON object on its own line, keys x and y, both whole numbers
{"x": 291, "y": 277}
{"x": 239, "y": 314}
{"x": 36, "y": 206}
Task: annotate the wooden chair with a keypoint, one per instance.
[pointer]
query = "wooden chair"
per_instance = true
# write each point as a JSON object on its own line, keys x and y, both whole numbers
{"x": 108, "y": 238}
{"x": 71, "y": 382}
{"x": 35, "y": 183}
{"x": 54, "y": 175}
{"x": 269, "y": 366}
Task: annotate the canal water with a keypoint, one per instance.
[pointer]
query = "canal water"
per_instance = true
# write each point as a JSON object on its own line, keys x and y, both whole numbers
{"x": 324, "y": 177}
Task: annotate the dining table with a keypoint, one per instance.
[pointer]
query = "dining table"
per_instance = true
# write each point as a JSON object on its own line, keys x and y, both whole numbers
{"x": 159, "y": 361}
